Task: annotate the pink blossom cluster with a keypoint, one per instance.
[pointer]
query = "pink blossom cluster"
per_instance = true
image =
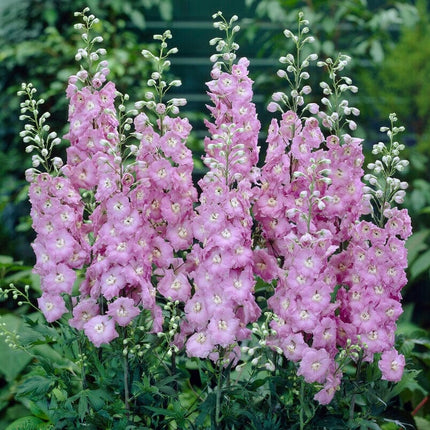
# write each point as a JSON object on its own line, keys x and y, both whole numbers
{"x": 63, "y": 235}
{"x": 129, "y": 221}
{"x": 308, "y": 206}
{"x": 372, "y": 272}
{"x": 60, "y": 246}
{"x": 221, "y": 263}
{"x": 164, "y": 196}
{"x": 139, "y": 216}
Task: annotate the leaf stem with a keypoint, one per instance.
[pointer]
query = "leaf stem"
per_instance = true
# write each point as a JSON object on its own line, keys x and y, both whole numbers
{"x": 126, "y": 387}
{"x": 218, "y": 392}
{"x": 302, "y": 395}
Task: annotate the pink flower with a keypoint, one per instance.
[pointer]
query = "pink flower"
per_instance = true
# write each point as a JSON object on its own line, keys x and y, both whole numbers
{"x": 326, "y": 394}
{"x": 324, "y": 334}
{"x": 100, "y": 329}
{"x": 60, "y": 245}
{"x": 391, "y": 365}
{"x": 112, "y": 282}
{"x": 265, "y": 264}
{"x": 174, "y": 286}
{"x": 118, "y": 207}
{"x": 196, "y": 311}
{"x": 123, "y": 310}
{"x": 59, "y": 280}
{"x": 181, "y": 235}
{"x": 293, "y": 345}
{"x": 199, "y": 345}
{"x": 378, "y": 339}
{"x": 314, "y": 365}
{"x": 222, "y": 327}
{"x": 83, "y": 311}
{"x": 52, "y": 306}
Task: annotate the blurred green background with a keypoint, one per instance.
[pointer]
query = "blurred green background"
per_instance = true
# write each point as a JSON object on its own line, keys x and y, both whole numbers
{"x": 389, "y": 42}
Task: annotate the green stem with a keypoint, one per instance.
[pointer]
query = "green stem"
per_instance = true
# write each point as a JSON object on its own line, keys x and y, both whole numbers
{"x": 302, "y": 395}
{"x": 352, "y": 405}
{"x": 218, "y": 395}
{"x": 83, "y": 366}
{"x": 126, "y": 387}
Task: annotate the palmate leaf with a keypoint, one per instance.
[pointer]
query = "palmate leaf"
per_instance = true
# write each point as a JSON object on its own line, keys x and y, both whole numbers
{"x": 408, "y": 382}
{"x": 162, "y": 412}
{"x": 206, "y": 407}
{"x": 35, "y": 386}
{"x": 98, "y": 398}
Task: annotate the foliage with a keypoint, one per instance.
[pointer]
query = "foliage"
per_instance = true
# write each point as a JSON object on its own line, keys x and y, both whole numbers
{"x": 360, "y": 29}
{"x": 353, "y": 27}
{"x": 72, "y": 382}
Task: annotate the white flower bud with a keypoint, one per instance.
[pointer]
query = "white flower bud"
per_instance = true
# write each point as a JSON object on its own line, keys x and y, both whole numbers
{"x": 57, "y": 162}
{"x": 352, "y": 125}
{"x": 321, "y": 205}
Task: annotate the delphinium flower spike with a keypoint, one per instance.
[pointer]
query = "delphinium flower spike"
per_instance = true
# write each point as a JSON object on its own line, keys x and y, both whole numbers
{"x": 221, "y": 263}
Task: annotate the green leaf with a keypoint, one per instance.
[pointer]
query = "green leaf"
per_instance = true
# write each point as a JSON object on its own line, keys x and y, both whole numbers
{"x": 420, "y": 265}
{"x": 83, "y": 406}
{"x": 166, "y": 10}
{"x": 5, "y": 259}
{"x": 97, "y": 398}
{"x": 206, "y": 407}
{"x": 257, "y": 384}
{"x": 377, "y": 52}
{"x": 331, "y": 422}
{"x": 138, "y": 19}
{"x": 422, "y": 423}
{"x": 416, "y": 243}
{"x": 366, "y": 425}
{"x": 22, "y": 274}
{"x": 28, "y": 423}
{"x": 408, "y": 382}
{"x": 161, "y": 411}
{"x": 13, "y": 361}
{"x": 36, "y": 385}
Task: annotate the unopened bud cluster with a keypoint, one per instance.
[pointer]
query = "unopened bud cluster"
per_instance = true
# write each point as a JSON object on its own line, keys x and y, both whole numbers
{"x": 296, "y": 72}
{"x": 385, "y": 190}
{"x": 41, "y": 141}
{"x": 337, "y": 106}
{"x": 154, "y": 98}
{"x": 226, "y": 47}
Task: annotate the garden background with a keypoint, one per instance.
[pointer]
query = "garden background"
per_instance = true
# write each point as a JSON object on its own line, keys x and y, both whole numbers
{"x": 389, "y": 42}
